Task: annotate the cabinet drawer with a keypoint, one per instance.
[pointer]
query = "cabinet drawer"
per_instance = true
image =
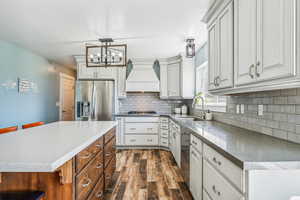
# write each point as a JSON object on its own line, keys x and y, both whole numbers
{"x": 143, "y": 140}
{"x": 108, "y": 173}
{"x": 164, "y": 142}
{"x": 164, "y": 126}
{"x": 98, "y": 191}
{"x": 88, "y": 177}
{"x": 142, "y": 119}
{"x": 216, "y": 186}
{"x": 110, "y": 134}
{"x": 109, "y": 151}
{"x": 87, "y": 154}
{"x": 150, "y": 128}
{"x": 196, "y": 143}
{"x": 164, "y": 133}
{"x": 164, "y": 120}
{"x": 226, "y": 167}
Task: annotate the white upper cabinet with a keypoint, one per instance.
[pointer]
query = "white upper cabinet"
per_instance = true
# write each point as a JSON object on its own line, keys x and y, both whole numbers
{"x": 265, "y": 40}
{"x": 275, "y": 39}
{"x": 84, "y": 72}
{"x": 245, "y": 41}
{"x": 178, "y": 78}
{"x": 220, "y": 45}
{"x": 225, "y": 41}
{"x": 121, "y": 82}
{"x": 212, "y": 56}
{"x": 173, "y": 80}
{"x": 264, "y": 35}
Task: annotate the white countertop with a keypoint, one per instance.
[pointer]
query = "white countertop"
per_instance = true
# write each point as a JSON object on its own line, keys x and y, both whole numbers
{"x": 47, "y": 147}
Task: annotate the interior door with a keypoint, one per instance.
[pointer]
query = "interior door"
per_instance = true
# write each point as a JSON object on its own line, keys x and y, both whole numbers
{"x": 276, "y": 30}
{"x": 212, "y": 55}
{"x": 245, "y": 41}
{"x": 225, "y": 47}
{"x": 67, "y": 96}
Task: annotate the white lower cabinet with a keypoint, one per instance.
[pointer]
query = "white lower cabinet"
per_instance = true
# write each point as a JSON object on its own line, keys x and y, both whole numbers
{"x": 205, "y": 195}
{"x": 164, "y": 132}
{"x": 195, "y": 174}
{"x": 137, "y": 128}
{"x": 141, "y": 140}
{"x": 120, "y": 131}
{"x": 175, "y": 141}
{"x": 217, "y": 186}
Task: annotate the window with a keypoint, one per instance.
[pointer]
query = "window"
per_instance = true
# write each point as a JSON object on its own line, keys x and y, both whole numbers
{"x": 212, "y": 102}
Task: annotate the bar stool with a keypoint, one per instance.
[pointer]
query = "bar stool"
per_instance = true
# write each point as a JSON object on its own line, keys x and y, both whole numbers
{"x": 22, "y": 195}
{"x": 25, "y": 126}
{"x": 8, "y": 129}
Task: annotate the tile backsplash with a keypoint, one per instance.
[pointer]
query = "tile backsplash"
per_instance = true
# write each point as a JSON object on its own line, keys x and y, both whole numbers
{"x": 281, "y": 113}
{"x": 147, "y": 102}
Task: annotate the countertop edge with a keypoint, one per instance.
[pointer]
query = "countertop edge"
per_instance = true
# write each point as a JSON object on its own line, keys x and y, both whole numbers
{"x": 53, "y": 166}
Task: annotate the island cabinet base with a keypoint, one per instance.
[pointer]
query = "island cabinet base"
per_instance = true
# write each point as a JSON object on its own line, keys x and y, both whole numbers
{"x": 84, "y": 177}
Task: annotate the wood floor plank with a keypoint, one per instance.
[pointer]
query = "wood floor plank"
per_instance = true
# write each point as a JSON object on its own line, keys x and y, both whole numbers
{"x": 147, "y": 175}
{"x": 152, "y": 191}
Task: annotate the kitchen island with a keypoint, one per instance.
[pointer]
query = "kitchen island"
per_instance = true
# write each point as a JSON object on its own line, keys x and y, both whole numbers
{"x": 66, "y": 160}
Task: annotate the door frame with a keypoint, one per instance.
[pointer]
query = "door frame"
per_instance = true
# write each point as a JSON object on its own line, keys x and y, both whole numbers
{"x": 61, "y": 91}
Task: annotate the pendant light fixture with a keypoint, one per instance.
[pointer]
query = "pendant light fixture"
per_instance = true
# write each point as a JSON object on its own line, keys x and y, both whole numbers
{"x": 106, "y": 54}
{"x": 190, "y": 48}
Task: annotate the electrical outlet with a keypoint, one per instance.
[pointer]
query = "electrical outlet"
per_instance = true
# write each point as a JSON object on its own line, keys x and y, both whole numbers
{"x": 242, "y": 108}
{"x": 238, "y": 109}
{"x": 260, "y": 110}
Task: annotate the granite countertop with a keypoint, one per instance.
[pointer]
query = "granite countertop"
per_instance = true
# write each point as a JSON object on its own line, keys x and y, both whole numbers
{"x": 247, "y": 149}
{"x": 47, "y": 147}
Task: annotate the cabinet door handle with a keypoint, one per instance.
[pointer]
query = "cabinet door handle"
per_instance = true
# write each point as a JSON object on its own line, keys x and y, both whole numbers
{"x": 256, "y": 69}
{"x": 107, "y": 154}
{"x": 99, "y": 166}
{"x": 86, "y": 156}
{"x": 216, "y": 161}
{"x": 99, "y": 195}
{"x": 215, "y": 82}
{"x": 87, "y": 183}
{"x": 250, "y": 71}
{"x": 218, "y": 81}
{"x": 132, "y": 140}
{"x": 132, "y": 129}
{"x": 99, "y": 145}
{"x": 215, "y": 190}
{"x": 149, "y": 140}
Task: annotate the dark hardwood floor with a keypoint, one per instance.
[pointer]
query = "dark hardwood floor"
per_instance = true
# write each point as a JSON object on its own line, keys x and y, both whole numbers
{"x": 147, "y": 174}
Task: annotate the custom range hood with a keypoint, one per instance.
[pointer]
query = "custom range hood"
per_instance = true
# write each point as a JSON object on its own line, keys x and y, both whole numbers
{"x": 143, "y": 76}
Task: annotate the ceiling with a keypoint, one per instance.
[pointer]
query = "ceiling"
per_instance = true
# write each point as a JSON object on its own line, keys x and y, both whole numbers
{"x": 47, "y": 27}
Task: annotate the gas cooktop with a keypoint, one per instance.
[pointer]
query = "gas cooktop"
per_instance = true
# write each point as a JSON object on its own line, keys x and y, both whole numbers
{"x": 141, "y": 112}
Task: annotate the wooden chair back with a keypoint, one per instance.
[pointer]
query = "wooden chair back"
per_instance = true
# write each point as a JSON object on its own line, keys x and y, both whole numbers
{"x": 8, "y": 129}
{"x": 25, "y": 126}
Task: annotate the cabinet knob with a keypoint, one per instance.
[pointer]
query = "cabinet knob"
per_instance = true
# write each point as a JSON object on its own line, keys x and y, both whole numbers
{"x": 250, "y": 71}
{"x": 88, "y": 182}
{"x": 256, "y": 69}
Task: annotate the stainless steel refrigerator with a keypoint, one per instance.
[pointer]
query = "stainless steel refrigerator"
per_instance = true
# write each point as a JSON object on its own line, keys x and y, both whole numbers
{"x": 95, "y": 100}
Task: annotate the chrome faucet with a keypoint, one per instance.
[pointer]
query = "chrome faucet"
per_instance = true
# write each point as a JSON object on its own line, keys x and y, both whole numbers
{"x": 202, "y": 104}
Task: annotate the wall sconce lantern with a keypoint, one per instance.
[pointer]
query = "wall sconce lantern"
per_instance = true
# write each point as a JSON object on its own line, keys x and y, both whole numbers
{"x": 190, "y": 48}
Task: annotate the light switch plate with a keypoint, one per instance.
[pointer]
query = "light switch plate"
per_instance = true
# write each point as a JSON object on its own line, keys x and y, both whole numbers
{"x": 260, "y": 110}
{"x": 242, "y": 108}
{"x": 238, "y": 109}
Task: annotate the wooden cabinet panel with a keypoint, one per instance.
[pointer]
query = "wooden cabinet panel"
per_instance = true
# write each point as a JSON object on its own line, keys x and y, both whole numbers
{"x": 109, "y": 151}
{"x": 108, "y": 173}
{"x": 88, "y": 177}
{"x": 109, "y": 135}
{"x": 87, "y": 154}
{"x": 98, "y": 191}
